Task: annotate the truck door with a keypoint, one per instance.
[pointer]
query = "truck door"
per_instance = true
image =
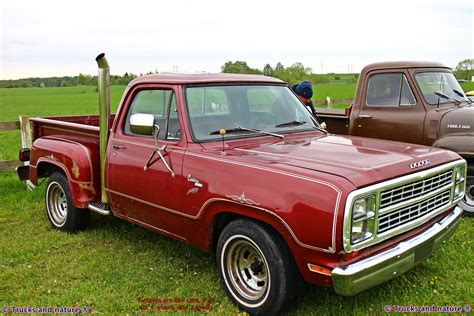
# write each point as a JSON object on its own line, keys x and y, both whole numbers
{"x": 147, "y": 196}
{"x": 389, "y": 109}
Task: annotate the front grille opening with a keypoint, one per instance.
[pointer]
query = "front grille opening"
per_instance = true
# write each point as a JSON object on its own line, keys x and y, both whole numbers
{"x": 401, "y": 216}
{"x": 414, "y": 190}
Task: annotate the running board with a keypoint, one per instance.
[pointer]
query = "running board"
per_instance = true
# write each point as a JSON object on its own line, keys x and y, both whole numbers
{"x": 101, "y": 208}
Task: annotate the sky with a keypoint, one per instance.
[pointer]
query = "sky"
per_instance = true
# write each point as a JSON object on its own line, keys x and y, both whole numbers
{"x": 55, "y": 38}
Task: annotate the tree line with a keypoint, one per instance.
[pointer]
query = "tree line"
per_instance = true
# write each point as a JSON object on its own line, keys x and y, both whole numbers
{"x": 66, "y": 81}
{"x": 294, "y": 73}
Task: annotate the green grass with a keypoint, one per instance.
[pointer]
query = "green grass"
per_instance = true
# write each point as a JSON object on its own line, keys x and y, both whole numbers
{"x": 112, "y": 263}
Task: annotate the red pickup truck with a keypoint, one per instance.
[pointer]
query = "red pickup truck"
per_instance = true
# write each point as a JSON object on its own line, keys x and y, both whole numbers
{"x": 235, "y": 165}
{"x": 413, "y": 102}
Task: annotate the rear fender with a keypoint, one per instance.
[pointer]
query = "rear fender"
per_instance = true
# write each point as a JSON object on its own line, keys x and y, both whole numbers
{"x": 76, "y": 160}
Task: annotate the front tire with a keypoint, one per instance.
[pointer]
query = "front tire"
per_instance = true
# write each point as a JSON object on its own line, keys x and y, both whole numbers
{"x": 61, "y": 211}
{"x": 256, "y": 268}
{"x": 467, "y": 203}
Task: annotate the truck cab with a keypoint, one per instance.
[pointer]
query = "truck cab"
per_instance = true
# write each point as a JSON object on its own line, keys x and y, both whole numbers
{"x": 413, "y": 102}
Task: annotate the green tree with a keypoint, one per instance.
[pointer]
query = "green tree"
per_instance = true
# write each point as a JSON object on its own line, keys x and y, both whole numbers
{"x": 268, "y": 70}
{"x": 238, "y": 67}
{"x": 465, "y": 69}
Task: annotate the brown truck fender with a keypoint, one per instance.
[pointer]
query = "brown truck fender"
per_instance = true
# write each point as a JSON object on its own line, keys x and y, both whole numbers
{"x": 76, "y": 160}
{"x": 462, "y": 144}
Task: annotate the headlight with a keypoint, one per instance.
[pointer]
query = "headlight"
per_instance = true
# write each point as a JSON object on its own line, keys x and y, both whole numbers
{"x": 363, "y": 213}
{"x": 459, "y": 181}
{"x": 459, "y": 174}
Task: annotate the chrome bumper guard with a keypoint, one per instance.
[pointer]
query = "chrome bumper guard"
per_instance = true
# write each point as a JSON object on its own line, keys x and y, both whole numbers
{"x": 367, "y": 273}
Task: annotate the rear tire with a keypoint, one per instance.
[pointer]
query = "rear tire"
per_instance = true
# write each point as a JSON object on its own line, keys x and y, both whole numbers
{"x": 61, "y": 212}
{"x": 256, "y": 268}
{"x": 467, "y": 203}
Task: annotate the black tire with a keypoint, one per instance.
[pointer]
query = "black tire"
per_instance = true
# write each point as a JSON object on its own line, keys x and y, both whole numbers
{"x": 256, "y": 268}
{"x": 59, "y": 207}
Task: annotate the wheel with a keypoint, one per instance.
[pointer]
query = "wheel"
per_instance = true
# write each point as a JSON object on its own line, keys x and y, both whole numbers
{"x": 467, "y": 203}
{"x": 256, "y": 268}
{"x": 61, "y": 212}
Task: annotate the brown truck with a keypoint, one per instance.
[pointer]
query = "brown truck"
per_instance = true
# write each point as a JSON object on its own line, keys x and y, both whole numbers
{"x": 413, "y": 102}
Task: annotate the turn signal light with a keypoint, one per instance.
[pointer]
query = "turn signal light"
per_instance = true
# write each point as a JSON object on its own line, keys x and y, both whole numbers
{"x": 318, "y": 269}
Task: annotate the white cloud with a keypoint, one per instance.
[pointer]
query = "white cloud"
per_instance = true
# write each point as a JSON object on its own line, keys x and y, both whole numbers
{"x": 42, "y": 38}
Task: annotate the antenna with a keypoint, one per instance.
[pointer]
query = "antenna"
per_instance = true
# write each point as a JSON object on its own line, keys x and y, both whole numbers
{"x": 222, "y": 132}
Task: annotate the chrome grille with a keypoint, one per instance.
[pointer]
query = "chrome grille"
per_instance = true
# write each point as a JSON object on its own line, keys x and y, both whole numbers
{"x": 412, "y": 212}
{"x": 414, "y": 190}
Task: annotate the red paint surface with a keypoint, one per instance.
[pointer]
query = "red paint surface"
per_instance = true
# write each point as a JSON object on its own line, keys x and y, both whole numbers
{"x": 297, "y": 185}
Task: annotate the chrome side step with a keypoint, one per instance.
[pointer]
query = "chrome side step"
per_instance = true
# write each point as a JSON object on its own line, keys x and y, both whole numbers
{"x": 101, "y": 208}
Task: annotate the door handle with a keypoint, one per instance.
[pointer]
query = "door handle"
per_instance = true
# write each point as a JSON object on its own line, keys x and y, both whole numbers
{"x": 118, "y": 147}
{"x": 364, "y": 116}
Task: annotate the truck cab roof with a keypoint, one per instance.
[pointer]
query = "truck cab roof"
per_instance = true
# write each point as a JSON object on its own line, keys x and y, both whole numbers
{"x": 402, "y": 64}
{"x": 179, "y": 78}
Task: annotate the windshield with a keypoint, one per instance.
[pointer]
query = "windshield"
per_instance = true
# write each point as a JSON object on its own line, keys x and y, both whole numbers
{"x": 266, "y": 108}
{"x": 445, "y": 83}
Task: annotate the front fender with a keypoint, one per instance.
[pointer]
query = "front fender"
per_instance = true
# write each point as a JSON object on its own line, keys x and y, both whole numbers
{"x": 462, "y": 144}
{"x": 77, "y": 161}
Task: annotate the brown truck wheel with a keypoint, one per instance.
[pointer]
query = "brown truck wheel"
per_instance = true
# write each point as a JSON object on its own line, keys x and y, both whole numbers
{"x": 467, "y": 204}
{"x": 61, "y": 212}
{"x": 256, "y": 268}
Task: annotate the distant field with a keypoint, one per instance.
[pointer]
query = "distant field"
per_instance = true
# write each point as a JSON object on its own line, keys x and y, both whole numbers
{"x": 84, "y": 100}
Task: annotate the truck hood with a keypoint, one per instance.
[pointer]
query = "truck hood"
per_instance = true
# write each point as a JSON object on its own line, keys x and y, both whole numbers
{"x": 362, "y": 161}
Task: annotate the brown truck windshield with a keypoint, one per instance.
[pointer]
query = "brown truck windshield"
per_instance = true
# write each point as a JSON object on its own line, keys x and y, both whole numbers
{"x": 267, "y": 108}
{"x": 431, "y": 83}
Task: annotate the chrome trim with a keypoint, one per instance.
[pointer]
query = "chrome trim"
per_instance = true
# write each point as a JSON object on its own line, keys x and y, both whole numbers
{"x": 242, "y": 199}
{"x": 104, "y": 115}
{"x": 99, "y": 210}
{"x": 377, "y": 189}
{"x": 366, "y": 273}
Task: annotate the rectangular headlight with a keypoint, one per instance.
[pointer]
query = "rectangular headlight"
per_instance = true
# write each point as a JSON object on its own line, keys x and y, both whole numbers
{"x": 363, "y": 215}
{"x": 459, "y": 181}
{"x": 459, "y": 173}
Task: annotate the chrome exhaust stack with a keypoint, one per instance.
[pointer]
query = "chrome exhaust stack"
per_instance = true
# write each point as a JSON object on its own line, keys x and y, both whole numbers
{"x": 104, "y": 117}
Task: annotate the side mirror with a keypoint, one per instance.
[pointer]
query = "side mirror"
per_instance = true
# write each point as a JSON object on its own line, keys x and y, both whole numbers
{"x": 142, "y": 124}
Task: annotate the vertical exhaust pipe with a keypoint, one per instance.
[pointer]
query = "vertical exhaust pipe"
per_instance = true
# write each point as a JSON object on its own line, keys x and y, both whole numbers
{"x": 104, "y": 116}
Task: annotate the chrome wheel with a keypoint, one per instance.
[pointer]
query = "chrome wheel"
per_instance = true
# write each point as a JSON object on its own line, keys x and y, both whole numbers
{"x": 56, "y": 204}
{"x": 247, "y": 268}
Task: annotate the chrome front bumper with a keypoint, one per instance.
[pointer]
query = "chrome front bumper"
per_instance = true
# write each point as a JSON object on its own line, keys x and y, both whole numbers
{"x": 367, "y": 273}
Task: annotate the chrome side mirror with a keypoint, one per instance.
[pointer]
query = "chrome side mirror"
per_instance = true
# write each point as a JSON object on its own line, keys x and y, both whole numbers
{"x": 142, "y": 124}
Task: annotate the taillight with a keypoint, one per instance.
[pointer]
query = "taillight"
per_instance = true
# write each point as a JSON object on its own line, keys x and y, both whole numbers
{"x": 24, "y": 154}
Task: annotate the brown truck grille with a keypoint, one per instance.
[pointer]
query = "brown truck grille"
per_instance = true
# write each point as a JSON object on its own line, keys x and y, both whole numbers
{"x": 414, "y": 190}
{"x": 412, "y": 212}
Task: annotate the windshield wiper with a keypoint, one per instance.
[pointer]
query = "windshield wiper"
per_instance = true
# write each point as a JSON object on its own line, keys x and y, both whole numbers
{"x": 291, "y": 123}
{"x": 298, "y": 123}
{"x": 462, "y": 95}
{"x": 244, "y": 129}
{"x": 444, "y": 96}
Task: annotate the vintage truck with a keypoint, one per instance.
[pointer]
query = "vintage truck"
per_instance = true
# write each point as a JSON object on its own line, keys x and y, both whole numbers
{"x": 413, "y": 102}
{"x": 235, "y": 165}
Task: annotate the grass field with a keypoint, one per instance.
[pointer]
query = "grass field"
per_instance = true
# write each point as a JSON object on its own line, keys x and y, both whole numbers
{"x": 111, "y": 264}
